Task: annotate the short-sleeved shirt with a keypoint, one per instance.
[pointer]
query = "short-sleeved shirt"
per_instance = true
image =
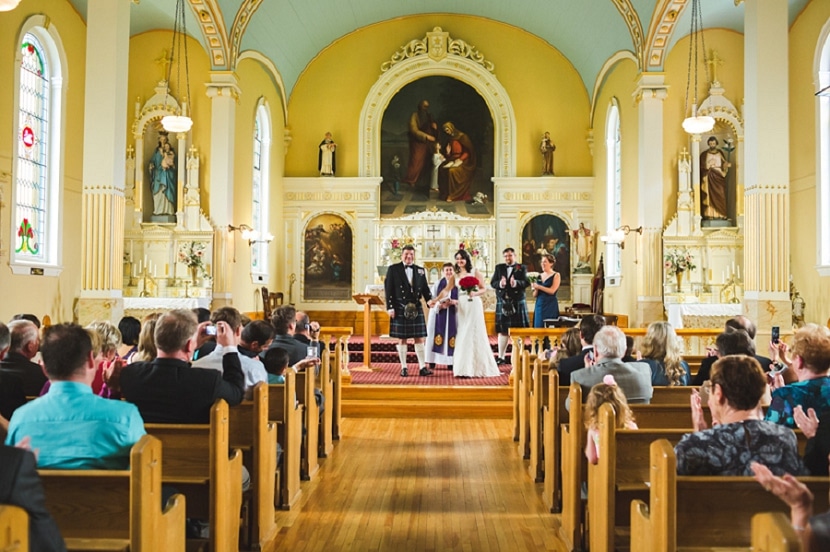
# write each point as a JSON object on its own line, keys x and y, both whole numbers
{"x": 74, "y": 429}
{"x": 729, "y": 449}
{"x": 814, "y": 393}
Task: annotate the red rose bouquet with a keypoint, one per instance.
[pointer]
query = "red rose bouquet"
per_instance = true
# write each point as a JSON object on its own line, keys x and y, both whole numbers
{"x": 468, "y": 284}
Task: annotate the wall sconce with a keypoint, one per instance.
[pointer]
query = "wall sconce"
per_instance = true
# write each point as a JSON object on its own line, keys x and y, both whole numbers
{"x": 618, "y": 235}
{"x": 250, "y": 235}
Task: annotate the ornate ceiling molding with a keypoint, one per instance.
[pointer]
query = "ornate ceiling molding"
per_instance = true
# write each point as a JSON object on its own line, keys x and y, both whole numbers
{"x": 240, "y": 24}
{"x": 209, "y": 15}
{"x": 664, "y": 19}
{"x": 635, "y": 27}
{"x": 437, "y": 45}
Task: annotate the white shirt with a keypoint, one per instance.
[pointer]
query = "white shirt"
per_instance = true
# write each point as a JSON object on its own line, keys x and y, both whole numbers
{"x": 253, "y": 369}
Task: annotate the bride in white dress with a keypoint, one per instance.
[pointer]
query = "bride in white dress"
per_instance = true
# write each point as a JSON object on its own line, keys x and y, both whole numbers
{"x": 473, "y": 356}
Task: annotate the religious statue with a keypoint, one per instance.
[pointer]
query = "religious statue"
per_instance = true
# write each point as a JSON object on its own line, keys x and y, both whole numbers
{"x": 547, "y": 147}
{"x": 713, "y": 169}
{"x": 326, "y": 156}
{"x": 584, "y": 245}
{"x": 163, "y": 177}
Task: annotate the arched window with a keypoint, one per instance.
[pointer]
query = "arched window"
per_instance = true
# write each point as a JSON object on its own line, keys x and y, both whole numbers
{"x": 36, "y": 193}
{"x": 259, "y": 193}
{"x": 613, "y": 190}
{"x": 823, "y": 153}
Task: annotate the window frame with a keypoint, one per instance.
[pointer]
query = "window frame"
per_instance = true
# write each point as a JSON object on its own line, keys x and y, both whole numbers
{"x": 822, "y": 80}
{"x": 613, "y": 192}
{"x": 262, "y": 136}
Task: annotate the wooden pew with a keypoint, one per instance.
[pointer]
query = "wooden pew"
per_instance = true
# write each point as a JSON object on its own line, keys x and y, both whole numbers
{"x": 14, "y": 529}
{"x": 256, "y": 437}
{"x": 117, "y": 509}
{"x": 339, "y": 370}
{"x": 311, "y": 422}
{"x": 324, "y": 439}
{"x": 573, "y": 466}
{"x": 620, "y": 475}
{"x": 284, "y": 409}
{"x": 553, "y": 416}
{"x": 773, "y": 532}
{"x": 707, "y": 512}
{"x": 537, "y": 389}
{"x": 526, "y": 361}
{"x": 199, "y": 462}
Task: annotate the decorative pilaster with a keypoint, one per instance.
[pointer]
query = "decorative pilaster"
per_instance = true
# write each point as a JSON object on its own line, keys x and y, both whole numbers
{"x": 105, "y": 132}
{"x": 650, "y": 93}
{"x": 767, "y": 201}
{"x": 223, "y": 93}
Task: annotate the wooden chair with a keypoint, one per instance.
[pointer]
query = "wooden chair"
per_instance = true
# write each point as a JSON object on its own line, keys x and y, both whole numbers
{"x": 284, "y": 409}
{"x": 256, "y": 437}
{"x": 716, "y": 511}
{"x": 14, "y": 529}
{"x": 270, "y": 302}
{"x": 117, "y": 509}
{"x": 199, "y": 462}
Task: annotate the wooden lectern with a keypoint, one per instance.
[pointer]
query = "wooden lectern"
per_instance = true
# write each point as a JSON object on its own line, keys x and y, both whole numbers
{"x": 367, "y": 300}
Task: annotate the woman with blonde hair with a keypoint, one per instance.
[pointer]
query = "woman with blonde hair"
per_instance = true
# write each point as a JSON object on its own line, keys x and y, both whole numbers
{"x": 601, "y": 393}
{"x": 569, "y": 345}
{"x": 660, "y": 349}
{"x": 146, "y": 339}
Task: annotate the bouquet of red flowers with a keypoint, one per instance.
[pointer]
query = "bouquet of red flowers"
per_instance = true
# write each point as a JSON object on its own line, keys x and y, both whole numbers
{"x": 468, "y": 284}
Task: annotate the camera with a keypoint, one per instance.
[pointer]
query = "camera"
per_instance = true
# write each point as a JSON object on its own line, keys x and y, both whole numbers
{"x": 210, "y": 330}
{"x": 776, "y": 334}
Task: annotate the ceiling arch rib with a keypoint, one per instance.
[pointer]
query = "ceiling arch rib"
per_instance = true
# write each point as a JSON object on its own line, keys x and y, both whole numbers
{"x": 212, "y": 23}
{"x": 240, "y": 23}
{"x": 664, "y": 20}
{"x": 635, "y": 27}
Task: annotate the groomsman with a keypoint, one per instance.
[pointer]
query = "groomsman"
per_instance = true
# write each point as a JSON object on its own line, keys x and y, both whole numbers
{"x": 509, "y": 280}
{"x": 405, "y": 285}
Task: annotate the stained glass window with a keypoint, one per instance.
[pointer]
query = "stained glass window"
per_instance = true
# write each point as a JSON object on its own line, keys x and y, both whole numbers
{"x": 259, "y": 191}
{"x": 32, "y": 174}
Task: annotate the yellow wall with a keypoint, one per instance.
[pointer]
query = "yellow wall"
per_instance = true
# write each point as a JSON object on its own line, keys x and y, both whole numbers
{"x": 42, "y": 295}
{"x": 545, "y": 90}
{"x": 804, "y": 36}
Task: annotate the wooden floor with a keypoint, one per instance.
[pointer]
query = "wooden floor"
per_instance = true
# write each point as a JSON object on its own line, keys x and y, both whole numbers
{"x": 421, "y": 484}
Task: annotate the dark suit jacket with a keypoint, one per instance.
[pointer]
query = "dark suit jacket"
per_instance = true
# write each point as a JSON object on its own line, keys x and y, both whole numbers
{"x": 171, "y": 391}
{"x": 569, "y": 365}
{"x": 11, "y": 393}
{"x": 706, "y": 368}
{"x": 296, "y": 350}
{"x": 20, "y": 486}
{"x": 30, "y": 373}
{"x": 514, "y": 293}
{"x": 634, "y": 378}
{"x": 399, "y": 292}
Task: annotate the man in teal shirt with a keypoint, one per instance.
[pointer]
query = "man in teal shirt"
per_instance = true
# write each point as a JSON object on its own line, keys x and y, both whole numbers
{"x": 70, "y": 427}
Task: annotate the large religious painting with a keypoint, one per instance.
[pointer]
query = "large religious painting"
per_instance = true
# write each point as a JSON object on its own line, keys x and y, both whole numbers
{"x": 327, "y": 264}
{"x": 437, "y": 150}
{"x": 161, "y": 175}
{"x": 548, "y": 234}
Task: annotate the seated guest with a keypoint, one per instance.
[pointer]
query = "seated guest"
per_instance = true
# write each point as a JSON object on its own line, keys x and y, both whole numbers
{"x": 11, "y": 386}
{"x": 106, "y": 350}
{"x": 588, "y": 327}
{"x": 284, "y": 321}
{"x": 206, "y": 345}
{"x": 252, "y": 367}
{"x": 633, "y": 378}
{"x": 629, "y": 350}
{"x": 660, "y": 349}
{"x": 307, "y": 332}
{"x": 169, "y": 389}
{"x": 569, "y": 345}
{"x": 130, "y": 328}
{"x": 27, "y": 316}
{"x": 739, "y": 436}
{"x": 256, "y": 337}
{"x": 24, "y": 345}
{"x": 739, "y": 323}
{"x": 146, "y": 339}
{"x": 276, "y": 361}
{"x": 817, "y": 431}
{"x": 20, "y": 486}
{"x": 810, "y": 363}
{"x": 70, "y": 426}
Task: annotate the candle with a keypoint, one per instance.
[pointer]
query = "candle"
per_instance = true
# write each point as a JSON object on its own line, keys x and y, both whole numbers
{"x": 722, "y": 277}
{"x": 145, "y": 261}
{"x": 739, "y": 272}
{"x": 710, "y": 274}
{"x": 166, "y": 269}
{"x": 139, "y": 268}
{"x": 154, "y": 271}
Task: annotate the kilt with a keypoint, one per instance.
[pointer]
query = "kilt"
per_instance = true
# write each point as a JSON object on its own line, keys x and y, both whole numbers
{"x": 519, "y": 319}
{"x": 402, "y": 328}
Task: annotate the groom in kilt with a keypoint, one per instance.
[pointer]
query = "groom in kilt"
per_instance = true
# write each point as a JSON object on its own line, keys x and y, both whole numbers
{"x": 509, "y": 280}
{"x": 405, "y": 285}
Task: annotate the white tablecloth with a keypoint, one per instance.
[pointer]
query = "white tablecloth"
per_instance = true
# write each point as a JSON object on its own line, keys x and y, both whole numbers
{"x": 165, "y": 303}
{"x": 702, "y": 315}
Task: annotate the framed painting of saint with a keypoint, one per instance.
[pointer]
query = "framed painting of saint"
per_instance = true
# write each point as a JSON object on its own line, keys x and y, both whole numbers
{"x": 327, "y": 259}
{"x": 548, "y": 234}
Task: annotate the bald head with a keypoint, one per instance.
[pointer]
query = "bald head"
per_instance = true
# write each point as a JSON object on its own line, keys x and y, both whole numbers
{"x": 24, "y": 338}
{"x": 741, "y": 322}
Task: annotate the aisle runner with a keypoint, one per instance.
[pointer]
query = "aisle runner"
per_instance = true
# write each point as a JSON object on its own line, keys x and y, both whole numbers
{"x": 390, "y": 374}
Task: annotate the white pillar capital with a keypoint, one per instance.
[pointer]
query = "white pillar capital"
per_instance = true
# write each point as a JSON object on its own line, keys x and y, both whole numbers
{"x": 651, "y": 86}
{"x": 223, "y": 85}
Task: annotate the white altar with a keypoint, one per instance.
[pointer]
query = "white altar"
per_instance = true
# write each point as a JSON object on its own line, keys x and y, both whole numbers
{"x": 701, "y": 315}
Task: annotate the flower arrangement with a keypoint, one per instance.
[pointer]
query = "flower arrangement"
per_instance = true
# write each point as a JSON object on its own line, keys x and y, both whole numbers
{"x": 533, "y": 277}
{"x": 192, "y": 254}
{"x": 468, "y": 284}
{"x": 470, "y": 247}
{"x": 395, "y": 247}
{"x": 677, "y": 261}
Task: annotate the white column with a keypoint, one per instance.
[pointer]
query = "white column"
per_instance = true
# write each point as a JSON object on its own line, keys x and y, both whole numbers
{"x": 105, "y": 142}
{"x": 767, "y": 162}
{"x": 223, "y": 93}
{"x": 650, "y": 93}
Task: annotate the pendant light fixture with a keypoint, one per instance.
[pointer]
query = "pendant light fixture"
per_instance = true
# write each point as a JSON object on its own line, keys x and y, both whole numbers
{"x": 8, "y": 5}
{"x": 179, "y": 123}
{"x": 695, "y": 124}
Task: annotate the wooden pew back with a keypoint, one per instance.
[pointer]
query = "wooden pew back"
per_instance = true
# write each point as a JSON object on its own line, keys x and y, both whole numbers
{"x": 311, "y": 422}
{"x": 14, "y": 529}
{"x": 773, "y": 532}
{"x": 111, "y": 509}
{"x": 199, "y": 462}
{"x": 284, "y": 409}
{"x": 573, "y": 466}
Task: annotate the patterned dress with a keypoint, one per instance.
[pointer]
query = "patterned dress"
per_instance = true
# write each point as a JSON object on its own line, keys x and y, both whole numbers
{"x": 814, "y": 393}
{"x": 729, "y": 449}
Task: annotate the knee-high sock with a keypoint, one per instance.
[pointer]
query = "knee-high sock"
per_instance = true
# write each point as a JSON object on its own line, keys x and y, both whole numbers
{"x": 503, "y": 341}
{"x": 419, "y": 352}
{"x": 402, "y": 354}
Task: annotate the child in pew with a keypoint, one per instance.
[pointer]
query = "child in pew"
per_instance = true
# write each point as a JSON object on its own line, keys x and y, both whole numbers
{"x": 276, "y": 361}
{"x": 601, "y": 393}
